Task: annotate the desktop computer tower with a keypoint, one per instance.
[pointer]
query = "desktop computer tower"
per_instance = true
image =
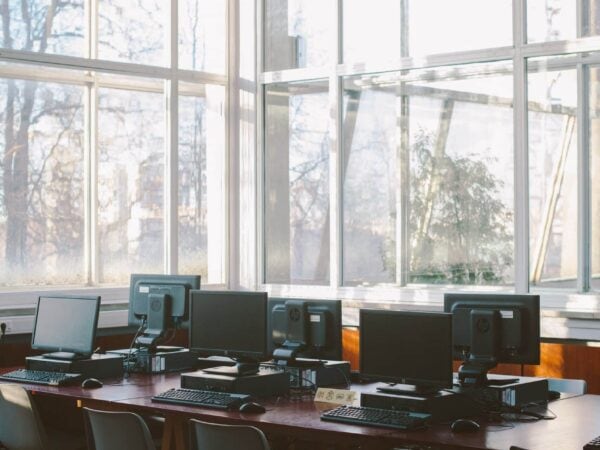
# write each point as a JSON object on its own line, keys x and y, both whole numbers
{"x": 524, "y": 391}
{"x": 313, "y": 373}
{"x": 262, "y": 384}
{"x": 97, "y": 366}
{"x": 173, "y": 359}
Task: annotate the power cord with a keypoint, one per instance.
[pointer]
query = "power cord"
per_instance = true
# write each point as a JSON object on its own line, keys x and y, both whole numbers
{"x": 2, "y": 334}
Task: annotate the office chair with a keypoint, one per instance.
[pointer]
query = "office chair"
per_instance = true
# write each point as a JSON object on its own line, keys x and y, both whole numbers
{"x": 212, "y": 436}
{"x": 20, "y": 426}
{"x": 111, "y": 430}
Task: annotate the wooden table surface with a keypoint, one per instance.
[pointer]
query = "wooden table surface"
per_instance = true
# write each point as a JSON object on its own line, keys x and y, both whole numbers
{"x": 577, "y": 419}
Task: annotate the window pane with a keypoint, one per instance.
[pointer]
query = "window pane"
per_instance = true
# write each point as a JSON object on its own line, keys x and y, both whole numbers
{"x": 132, "y": 31}
{"x": 297, "y": 199}
{"x": 372, "y": 30}
{"x": 130, "y": 183}
{"x": 439, "y": 26}
{"x": 202, "y": 184}
{"x": 299, "y": 33}
{"x": 44, "y": 26}
{"x": 595, "y": 172}
{"x": 202, "y": 31}
{"x": 461, "y": 161}
{"x": 370, "y": 145}
{"x": 551, "y": 20}
{"x": 41, "y": 184}
{"x": 552, "y": 97}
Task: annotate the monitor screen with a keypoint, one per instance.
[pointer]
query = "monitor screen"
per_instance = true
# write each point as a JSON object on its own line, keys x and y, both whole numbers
{"x": 412, "y": 348}
{"x": 66, "y": 324}
{"x": 323, "y": 328}
{"x": 491, "y": 329}
{"x": 229, "y": 323}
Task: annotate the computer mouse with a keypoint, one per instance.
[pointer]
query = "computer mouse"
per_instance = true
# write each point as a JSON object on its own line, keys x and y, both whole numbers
{"x": 252, "y": 408}
{"x": 91, "y": 383}
{"x": 464, "y": 426}
{"x": 553, "y": 395}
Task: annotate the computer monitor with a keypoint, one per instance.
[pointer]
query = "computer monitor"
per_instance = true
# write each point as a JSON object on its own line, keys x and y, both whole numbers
{"x": 304, "y": 329}
{"x": 227, "y": 323}
{"x": 158, "y": 303}
{"x": 491, "y": 329}
{"x": 412, "y": 350}
{"x": 65, "y": 326}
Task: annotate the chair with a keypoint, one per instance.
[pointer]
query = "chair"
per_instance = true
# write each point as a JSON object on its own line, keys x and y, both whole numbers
{"x": 578, "y": 387}
{"x": 111, "y": 430}
{"x": 212, "y": 436}
{"x": 20, "y": 424}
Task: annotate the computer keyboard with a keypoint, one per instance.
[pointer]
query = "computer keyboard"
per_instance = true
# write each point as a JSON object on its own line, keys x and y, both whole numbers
{"x": 205, "y": 399}
{"x": 360, "y": 415}
{"x": 593, "y": 444}
{"x": 42, "y": 377}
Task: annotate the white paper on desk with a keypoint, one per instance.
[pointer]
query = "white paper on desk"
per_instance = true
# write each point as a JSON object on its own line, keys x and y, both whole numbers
{"x": 336, "y": 396}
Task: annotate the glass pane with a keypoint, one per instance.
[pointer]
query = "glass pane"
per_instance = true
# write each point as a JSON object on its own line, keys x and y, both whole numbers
{"x": 439, "y": 26}
{"x": 43, "y": 26}
{"x": 369, "y": 166}
{"x": 202, "y": 185}
{"x": 41, "y": 184}
{"x": 299, "y": 33}
{"x": 552, "y": 176}
{"x": 372, "y": 30}
{"x": 551, "y": 20}
{"x": 297, "y": 199}
{"x": 202, "y": 32}
{"x": 130, "y": 183}
{"x": 461, "y": 201}
{"x": 595, "y": 172}
{"x": 132, "y": 31}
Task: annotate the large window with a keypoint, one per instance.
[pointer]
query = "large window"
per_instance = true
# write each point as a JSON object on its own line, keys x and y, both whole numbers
{"x": 112, "y": 150}
{"x": 439, "y": 148}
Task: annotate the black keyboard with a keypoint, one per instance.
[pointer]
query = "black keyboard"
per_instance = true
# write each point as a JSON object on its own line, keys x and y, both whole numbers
{"x": 42, "y": 377}
{"x": 593, "y": 444}
{"x": 361, "y": 415}
{"x": 205, "y": 399}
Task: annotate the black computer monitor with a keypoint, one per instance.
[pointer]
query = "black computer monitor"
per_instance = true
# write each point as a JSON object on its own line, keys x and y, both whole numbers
{"x": 412, "y": 350}
{"x": 234, "y": 324}
{"x": 304, "y": 329}
{"x": 65, "y": 326}
{"x": 491, "y": 329}
{"x": 158, "y": 303}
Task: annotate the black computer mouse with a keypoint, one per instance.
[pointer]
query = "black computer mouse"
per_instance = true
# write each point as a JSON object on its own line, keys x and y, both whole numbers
{"x": 91, "y": 383}
{"x": 252, "y": 408}
{"x": 464, "y": 426}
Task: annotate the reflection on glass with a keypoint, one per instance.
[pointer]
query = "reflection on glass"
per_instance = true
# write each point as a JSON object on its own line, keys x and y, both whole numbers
{"x": 298, "y": 33}
{"x": 595, "y": 173}
{"x": 41, "y": 184}
{"x": 551, "y": 20}
{"x": 297, "y": 199}
{"x": 461, "y": 176}
{"x": 43, "y": 26}
{"x": 202, "y": 185}
{"x": 132, "y": 31}
{"x": 552, "y": 97}
{"x": 370, "y": 145}
{"x": 130, "y": 183}
{"x": 202, "y": 31}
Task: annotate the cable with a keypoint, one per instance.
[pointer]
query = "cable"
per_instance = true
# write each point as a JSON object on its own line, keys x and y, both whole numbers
{"x": 135, "y": 336}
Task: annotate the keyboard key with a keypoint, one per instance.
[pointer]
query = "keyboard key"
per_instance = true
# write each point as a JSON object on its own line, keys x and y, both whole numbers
{"x": 206, "y": 399}
{"x": 360, "y": 415}
{"x": 42, "y": 377}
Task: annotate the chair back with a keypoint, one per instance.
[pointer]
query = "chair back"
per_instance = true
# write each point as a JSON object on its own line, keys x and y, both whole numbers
{"x": 213, "y": 436}
{"x": 112, "y": 430}
{"x": 20, "y": 424}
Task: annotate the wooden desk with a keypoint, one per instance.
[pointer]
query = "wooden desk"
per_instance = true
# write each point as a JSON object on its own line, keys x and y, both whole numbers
{"x": 577, "y": 422}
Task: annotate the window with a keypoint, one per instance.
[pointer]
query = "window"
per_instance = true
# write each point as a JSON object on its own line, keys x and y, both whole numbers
{"x": 113, "y": 158}
{"x": 456, "y": 149}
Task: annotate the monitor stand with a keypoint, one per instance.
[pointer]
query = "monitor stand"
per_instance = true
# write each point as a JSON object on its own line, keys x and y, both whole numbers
{"x": 65, "y": 356}
{"x": 241, "y": 369}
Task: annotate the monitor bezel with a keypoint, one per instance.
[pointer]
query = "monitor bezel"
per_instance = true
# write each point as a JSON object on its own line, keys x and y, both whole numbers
{"x": 526, "y": 302}
{"x": 89, "y": 349}
{"x": 235, "y": 354}
{"x": 441, "y": 384}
